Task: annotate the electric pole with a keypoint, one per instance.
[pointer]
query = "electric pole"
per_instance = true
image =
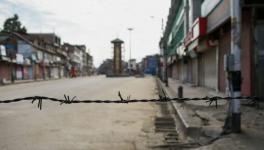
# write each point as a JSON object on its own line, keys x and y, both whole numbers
{"x": 130, "y": 43}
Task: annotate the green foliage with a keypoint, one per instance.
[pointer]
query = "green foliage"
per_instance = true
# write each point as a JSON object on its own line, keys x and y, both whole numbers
{"x": 13, "y": 24}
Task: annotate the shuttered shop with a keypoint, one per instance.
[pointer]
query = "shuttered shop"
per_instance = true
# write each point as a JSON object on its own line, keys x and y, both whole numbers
{"x": 5, "y": 71}
{"x": 207, "y": 69}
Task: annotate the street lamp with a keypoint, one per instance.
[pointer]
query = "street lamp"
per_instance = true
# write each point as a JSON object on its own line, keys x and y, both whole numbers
{"x": 129, "y": 65}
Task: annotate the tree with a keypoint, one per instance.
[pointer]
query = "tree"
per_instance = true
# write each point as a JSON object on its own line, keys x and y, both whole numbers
{"x": 13, "y": 24}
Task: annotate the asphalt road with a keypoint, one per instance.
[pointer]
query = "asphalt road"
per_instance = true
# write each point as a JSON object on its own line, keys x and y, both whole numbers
{"x": 78, "y": 126}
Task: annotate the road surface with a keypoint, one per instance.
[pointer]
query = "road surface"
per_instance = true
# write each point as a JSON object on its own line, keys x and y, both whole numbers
{"x": 78, "y": 126}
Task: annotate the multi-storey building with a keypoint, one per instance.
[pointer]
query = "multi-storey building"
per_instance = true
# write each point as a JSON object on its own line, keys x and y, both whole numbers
{"x": 84, "y": 64}
{"x": 90, "y": 66}
{"x": 35, "y": 56}
{"x": 28, "y": 58}
{"x": 54, "y": 63}
{"x": 198, "y": 38}
{"x": 75, "y": 56}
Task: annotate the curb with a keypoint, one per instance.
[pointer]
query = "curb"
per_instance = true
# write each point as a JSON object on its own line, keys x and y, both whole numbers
{"x": 28, "y": 81}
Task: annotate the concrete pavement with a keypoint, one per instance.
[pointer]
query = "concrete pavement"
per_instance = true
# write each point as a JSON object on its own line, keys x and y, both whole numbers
{"x": 204, "y": 123}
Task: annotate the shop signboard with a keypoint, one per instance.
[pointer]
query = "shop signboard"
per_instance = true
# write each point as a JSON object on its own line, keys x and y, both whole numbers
{"x": 198, "y": 29}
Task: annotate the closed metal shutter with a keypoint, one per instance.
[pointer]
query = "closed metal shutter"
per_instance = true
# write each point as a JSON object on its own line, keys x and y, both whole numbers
{"x": 207, "y": 69}
{"x": 210, "y": 72}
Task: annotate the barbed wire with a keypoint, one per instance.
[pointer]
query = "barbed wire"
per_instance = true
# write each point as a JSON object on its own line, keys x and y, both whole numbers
{"x": 68, "y": 100}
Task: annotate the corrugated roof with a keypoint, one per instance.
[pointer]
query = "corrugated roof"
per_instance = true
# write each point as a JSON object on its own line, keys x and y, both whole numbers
{"x": 29, "y": 42}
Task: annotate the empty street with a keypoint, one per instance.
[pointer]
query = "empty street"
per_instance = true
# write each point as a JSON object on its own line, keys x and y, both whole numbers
{"x": 78, "y": 126}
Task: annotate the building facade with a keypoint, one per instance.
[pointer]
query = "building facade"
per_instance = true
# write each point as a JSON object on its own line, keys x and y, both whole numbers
{"x": 52, "y": 65}
{"x": 27, "y": 58}
{"x": 197, "y": 41}
{"x": 80, "y": 61}
{"x": 39, "y": 56}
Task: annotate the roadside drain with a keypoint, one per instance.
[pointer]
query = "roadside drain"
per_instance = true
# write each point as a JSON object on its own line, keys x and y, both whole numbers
{"x": 166, "y": 125}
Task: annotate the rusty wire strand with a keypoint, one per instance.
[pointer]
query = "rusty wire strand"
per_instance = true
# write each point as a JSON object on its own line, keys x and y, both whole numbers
{"x": 68, "y": 100}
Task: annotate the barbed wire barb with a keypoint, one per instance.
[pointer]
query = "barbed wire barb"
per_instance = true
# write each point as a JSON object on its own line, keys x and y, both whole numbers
{"x": 165, "y": 95}
{"x": 39, "y": 101}
{"x": 120, "y": 96}
{"x": 128, "y": 98}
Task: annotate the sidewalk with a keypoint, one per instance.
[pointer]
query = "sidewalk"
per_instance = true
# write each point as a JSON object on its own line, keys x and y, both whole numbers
{"x": 26, "y": 81}
{"x": 202, "y": 122}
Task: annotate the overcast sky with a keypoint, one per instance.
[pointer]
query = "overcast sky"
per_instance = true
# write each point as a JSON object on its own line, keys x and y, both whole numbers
{"x": 94, "y": 22}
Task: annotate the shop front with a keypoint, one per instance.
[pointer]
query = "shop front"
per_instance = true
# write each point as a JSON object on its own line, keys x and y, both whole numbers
{"x": 194, "y": 63}
{"x": 54, "y": 71}
{"x": 5, "y": 71}
{"x": 207, "y": 63}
